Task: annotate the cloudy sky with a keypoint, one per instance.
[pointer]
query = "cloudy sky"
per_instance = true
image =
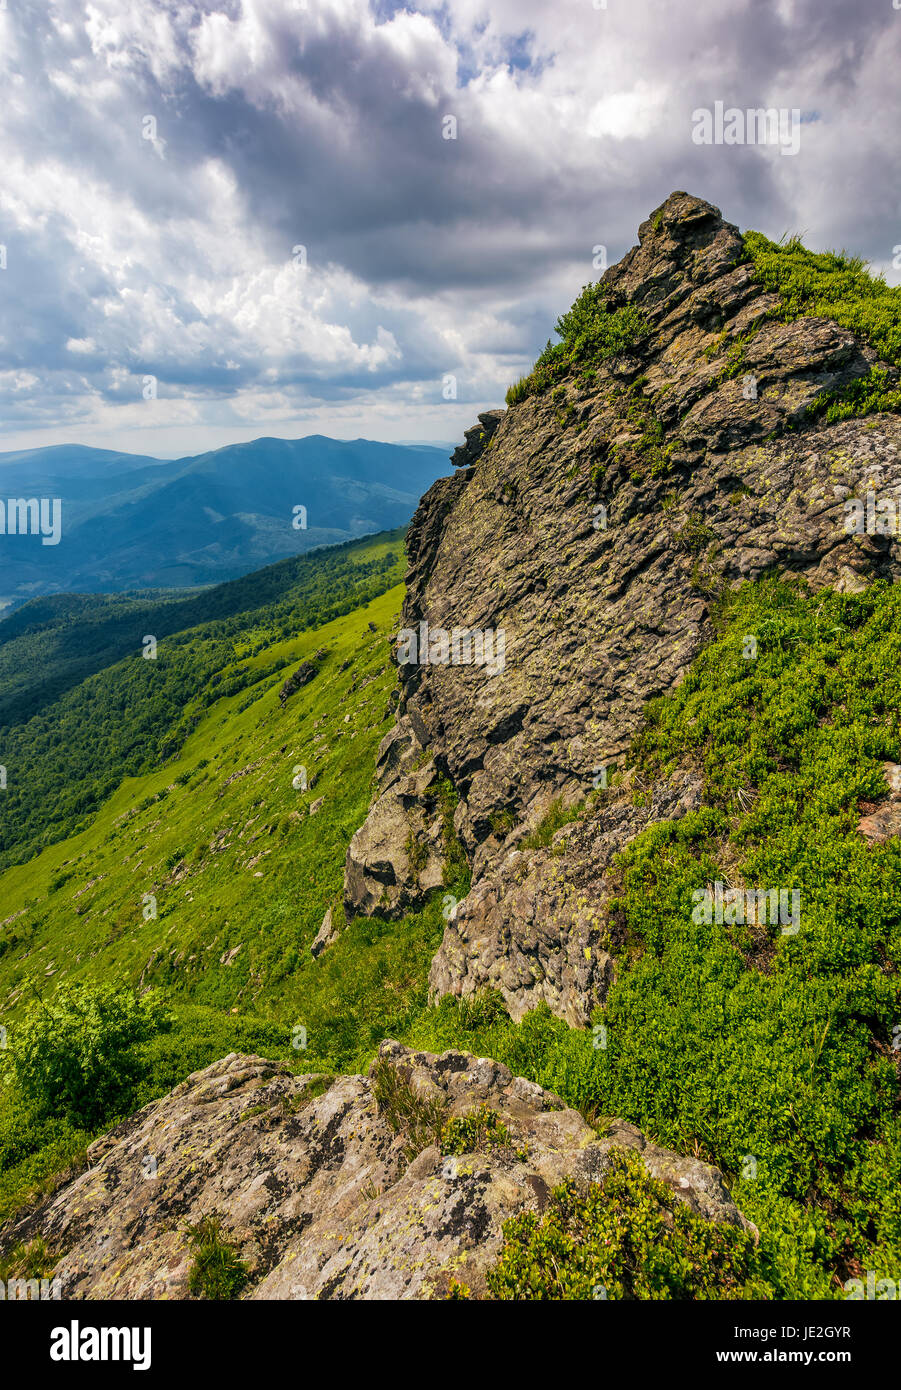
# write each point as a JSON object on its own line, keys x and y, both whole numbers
{"x": 255, "y": 202}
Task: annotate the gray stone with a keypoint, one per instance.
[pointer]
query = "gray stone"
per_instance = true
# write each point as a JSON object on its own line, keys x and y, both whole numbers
{"x": 318, "y": 1193}
{"x": 397, "y": 856}
{"x": 532, "y": 927}
{"x": 600, "y": 618}
{"x": 477, "y": 439}
{"x": 327, "y": 935}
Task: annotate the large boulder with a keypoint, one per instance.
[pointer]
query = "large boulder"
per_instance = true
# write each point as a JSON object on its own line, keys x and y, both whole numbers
{"x": 397, "y": 856}
{"x": 533, "y": 926}
{"x": 321, "y": 1194}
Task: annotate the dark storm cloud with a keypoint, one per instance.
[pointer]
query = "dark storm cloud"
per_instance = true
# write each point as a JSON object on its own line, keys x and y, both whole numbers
{"x": 280, "y": 124}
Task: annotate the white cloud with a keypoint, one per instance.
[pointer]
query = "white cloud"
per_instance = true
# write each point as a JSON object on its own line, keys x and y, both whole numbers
{"x": 627, "y": 115}
{"x": 280, "y": 122}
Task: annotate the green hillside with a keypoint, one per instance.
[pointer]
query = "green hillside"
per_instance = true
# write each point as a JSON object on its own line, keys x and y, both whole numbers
{"x": 241, "y": 873}
{"x": 71, "y": 747}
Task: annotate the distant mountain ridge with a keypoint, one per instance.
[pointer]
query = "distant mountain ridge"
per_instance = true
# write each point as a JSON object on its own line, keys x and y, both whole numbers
{"x": 132, "y": 521}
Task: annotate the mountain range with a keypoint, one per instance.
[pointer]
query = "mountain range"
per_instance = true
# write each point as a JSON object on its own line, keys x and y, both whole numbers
{"x": 134, "y": 522}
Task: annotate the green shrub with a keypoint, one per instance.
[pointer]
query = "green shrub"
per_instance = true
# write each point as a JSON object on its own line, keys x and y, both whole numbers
{"x": 626, "y": 1236}
{"x": 417, "y": 854}
{"x": 217, "y": 1270}
{"x": 694, "y": 535}
{"x": 32, "y": 1261}
{"x": 554, "y": 819}
{"x": 421, "y": 1121}
{"x": 866, "y": 395}
{"x": 519, "y": 391}
{"x": 456, "y": 871}
{"x": 502, "y": 822}
{"x": 76, "y": 1056}
{"x": 36, "y": 1154}
{"x": 473, "y": 1133}
{"x": 591, "y": 333}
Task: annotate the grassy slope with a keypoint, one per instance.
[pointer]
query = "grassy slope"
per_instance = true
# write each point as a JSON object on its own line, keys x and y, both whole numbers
{"x": 130, "y": 715}
{"x": 54, "y": 643}
{"x": 232, "y": 864}
{"x": 240, "y": 865}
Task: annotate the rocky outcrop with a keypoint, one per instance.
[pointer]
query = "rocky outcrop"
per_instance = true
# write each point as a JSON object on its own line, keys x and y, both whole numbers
{"x": 477, "y": 439}
{"x": 594, "y": 532}
{"x": 327, "y": 934}
{"x": 397, "y": 855}
{"x": 299, "y": 678}
{"x": 536, "y": 928}
{"x": 322, "y": 1197}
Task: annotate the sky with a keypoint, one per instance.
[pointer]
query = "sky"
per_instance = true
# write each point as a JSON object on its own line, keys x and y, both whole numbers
{"x": 358, "y": 218}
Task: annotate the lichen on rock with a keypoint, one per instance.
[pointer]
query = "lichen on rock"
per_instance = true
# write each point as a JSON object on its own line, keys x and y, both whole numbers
{"x": 320, "y": 1195}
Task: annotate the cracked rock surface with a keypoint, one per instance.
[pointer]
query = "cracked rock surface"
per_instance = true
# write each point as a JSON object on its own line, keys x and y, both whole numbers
{"x": 535, "y": 925}
{"x": 321, "y": 1196}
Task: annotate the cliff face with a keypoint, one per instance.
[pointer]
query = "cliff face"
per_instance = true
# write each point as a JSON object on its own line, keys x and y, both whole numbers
{"x": 592, "y": 525}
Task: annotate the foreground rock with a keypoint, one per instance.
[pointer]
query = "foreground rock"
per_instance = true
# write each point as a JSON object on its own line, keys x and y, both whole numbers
{"x": 323, "y": 1197}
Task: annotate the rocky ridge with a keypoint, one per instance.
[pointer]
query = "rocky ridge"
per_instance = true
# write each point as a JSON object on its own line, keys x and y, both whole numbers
{"x": 594, "y": 524}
